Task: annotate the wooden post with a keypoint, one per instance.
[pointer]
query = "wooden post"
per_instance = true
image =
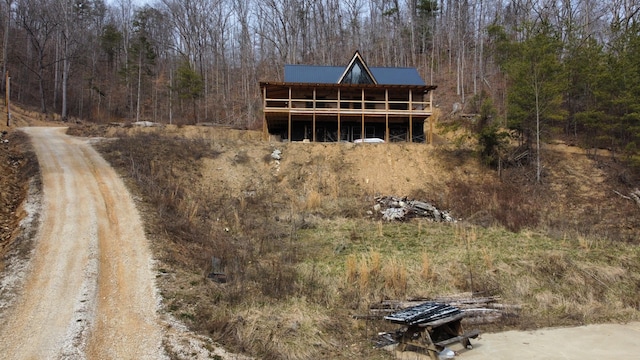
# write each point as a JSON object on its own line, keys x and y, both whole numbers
{"x": 289, "y": 112}
{"x": 265, "y": 128}
{"x": 8, "y": 98}
{"x": 386, "y": 115}
{"x": 362, "y": 108}
{"x": 339, "y": 105}
{"x": 410, "y": 116}
{"x": 431, "y": 119}
{"x": 431, "y": 129}
{"x": 314, "y": 115}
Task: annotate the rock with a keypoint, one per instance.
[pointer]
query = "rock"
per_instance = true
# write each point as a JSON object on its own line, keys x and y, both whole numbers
{"x": 394, "y": 208}
{"x": 394, "y": 214}
{"x": 145, "y": 123}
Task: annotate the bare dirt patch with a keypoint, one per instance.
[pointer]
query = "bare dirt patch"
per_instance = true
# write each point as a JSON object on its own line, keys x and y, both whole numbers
{"x": 605, "y": 341}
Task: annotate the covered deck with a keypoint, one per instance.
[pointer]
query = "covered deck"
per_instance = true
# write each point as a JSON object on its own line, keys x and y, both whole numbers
{"x": 346, "y": 112}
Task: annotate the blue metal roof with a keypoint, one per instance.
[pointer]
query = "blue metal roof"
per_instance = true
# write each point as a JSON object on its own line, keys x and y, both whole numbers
{"x": 312, "y": 74}
{"x": 331, "y": 74}
{"x": 396, "y": 76}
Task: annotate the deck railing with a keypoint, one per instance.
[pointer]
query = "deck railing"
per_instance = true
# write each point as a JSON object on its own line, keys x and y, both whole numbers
{"x": 347, "y": 107}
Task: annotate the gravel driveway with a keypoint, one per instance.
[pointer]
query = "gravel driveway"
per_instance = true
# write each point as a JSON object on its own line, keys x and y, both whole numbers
{"x": 89, "y": 290}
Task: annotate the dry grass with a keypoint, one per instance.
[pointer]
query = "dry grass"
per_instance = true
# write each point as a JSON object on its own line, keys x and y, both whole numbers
{"x": 301, "y": 256}
{"x": 351, "y": 267}
{"x": 314, "y": 201}
{"x": 395, "y": 278}
{"x": 426, "y": 272}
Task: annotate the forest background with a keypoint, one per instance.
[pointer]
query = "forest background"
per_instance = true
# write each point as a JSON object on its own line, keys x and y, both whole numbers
{"x": 301, "y": 254}
{"x": 540, "y": 67}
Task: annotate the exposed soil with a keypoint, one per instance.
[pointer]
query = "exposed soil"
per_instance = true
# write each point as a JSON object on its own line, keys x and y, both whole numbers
{"x": 584, "y": 185}
{"x": 17, "y": 167}
{"x": 605, "y": 341}
{"x": 592, "y": 342}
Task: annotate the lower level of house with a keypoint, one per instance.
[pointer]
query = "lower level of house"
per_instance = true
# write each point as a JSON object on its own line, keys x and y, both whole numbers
{"x": 350, "y": 130}
{"x": 339, "y": 112}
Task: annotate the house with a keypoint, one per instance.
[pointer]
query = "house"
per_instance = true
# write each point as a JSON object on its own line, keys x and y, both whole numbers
{"x": 356, "y": 102}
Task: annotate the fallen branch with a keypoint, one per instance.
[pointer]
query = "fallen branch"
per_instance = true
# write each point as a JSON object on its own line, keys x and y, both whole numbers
{"x": 622, "y": 196}
{"x": 633, "y": 196}
{"x": 636, "y": 196}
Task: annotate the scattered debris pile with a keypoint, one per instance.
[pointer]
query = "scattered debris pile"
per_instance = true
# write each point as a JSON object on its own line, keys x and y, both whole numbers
{"x": 423, "y": 313}
{"x": 477, "y": 310}
{"x": 429, "y": 326}
{"x": 397, "y": 208}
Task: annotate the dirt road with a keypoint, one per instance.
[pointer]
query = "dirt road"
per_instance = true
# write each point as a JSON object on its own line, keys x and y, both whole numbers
{"x": 590, "y": 342}
{"x": 603, "y": 341}
{"x": 89, "y": 292}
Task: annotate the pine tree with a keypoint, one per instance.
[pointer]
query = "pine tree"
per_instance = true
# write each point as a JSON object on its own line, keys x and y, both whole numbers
{"x": 536, "y": 85}
{"x": 189, "y": 85}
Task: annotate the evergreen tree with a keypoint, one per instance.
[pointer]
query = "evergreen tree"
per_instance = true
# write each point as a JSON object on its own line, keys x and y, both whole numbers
{"x": 189, "y": 85}
{"x": 491, "y": 137}
{"x": 536, "y": 85}
{"x": 584, "y": 66}
{"x": 143, "y": 54}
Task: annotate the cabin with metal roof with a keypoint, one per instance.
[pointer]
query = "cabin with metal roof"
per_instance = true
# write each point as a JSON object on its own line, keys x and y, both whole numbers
{"x": 355, "y": 103}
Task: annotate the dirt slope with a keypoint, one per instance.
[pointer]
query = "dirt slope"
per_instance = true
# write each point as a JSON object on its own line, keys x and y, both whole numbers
{"x": 90, "y": 290}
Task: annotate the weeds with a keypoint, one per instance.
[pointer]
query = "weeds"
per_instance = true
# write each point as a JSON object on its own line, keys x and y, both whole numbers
{"x": 314, "y": 201}
{"x": 301, "y": 258}
{"x": 395, "y": 278}
{"x": 496, "y": 204}
{"x": 426, "y": 272}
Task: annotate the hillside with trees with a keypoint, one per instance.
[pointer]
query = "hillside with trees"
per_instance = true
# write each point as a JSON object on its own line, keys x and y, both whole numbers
{"x": 299, "y": 240}
{"x": 540, "y": 68}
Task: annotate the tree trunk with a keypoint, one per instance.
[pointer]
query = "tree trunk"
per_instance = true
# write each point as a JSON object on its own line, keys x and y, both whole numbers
{"x": 195, "y": 113}
{"x": 66, "y": 61}
{"x": 43, "y": 103}
{"x": 65, "y": 81}
{"x": 5, "y": 44}
{"x": 537, "y": 95}
{"x": 56, "y": 72}
{"x": 139, "y": 84}
{"x": 170, "y": 96}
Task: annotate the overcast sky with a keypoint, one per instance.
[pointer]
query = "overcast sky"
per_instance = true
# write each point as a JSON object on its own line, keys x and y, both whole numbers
{"x": 137, "y": 2}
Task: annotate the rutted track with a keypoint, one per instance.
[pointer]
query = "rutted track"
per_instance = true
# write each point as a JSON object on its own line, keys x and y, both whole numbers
{"x": 89, "y": 292}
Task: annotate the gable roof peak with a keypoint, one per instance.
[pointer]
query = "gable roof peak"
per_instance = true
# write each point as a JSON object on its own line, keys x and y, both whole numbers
{"x": 357, "y": 72}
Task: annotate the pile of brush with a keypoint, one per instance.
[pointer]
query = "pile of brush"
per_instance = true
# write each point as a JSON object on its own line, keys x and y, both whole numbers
{"x": 402, "y": 208}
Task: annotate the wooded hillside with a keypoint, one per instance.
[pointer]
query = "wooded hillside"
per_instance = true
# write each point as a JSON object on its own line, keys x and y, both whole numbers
{"x": 540, "y": 67}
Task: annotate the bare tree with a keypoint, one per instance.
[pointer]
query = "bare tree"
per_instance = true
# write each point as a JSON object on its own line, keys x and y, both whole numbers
{"x": 35, "y": 18}
{"x": 5, "y": 43}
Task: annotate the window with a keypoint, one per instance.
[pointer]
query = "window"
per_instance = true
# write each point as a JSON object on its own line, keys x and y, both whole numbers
{"x": 357, "y": 74}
